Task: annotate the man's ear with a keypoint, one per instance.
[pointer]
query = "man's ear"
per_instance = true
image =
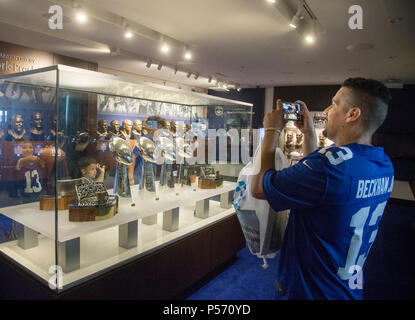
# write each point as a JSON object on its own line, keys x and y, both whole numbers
{"x": 353, "y": 114}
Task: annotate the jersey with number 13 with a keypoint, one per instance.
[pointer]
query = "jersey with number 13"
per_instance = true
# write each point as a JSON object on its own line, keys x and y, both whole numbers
{"x": 337, "y": 196}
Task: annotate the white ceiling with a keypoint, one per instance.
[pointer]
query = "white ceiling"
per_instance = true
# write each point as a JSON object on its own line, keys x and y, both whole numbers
{"x": 247, "y": 42}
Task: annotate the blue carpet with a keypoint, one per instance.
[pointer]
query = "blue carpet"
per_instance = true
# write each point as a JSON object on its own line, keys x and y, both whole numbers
{"x": 389, "y": 271}
{"x": 245, "y": 279}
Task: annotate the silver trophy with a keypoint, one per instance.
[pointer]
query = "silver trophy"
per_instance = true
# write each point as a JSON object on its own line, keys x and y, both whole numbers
{"x": 123, "y": 154}
{"x": 147, "y": 150}
{"x": 183, "y": 150}
{"x": 165, "y": 147}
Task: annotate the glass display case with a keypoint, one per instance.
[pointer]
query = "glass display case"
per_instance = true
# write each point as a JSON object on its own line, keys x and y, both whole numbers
{"x": 97, "y": 170}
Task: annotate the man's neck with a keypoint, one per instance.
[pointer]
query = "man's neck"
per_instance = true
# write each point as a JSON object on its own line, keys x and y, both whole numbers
{"x": 347, "y": 138}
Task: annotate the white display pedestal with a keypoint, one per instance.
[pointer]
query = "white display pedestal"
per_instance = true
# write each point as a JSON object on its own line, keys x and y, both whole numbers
{"x": 127, "y": 223}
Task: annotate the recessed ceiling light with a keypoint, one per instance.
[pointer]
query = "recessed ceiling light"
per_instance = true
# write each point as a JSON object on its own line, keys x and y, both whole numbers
{"x": 81, "y": 17}
{"x": 271, "y": 1}
{"x": 128, "y": 34}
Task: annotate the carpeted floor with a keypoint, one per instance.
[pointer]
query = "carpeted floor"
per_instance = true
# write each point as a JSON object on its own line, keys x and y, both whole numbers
{"x": 245, "y": 279}
{"x": 389, "y": 269}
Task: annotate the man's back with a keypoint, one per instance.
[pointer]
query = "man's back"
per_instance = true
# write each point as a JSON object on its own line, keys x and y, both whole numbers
{"x": 337, "y": 196}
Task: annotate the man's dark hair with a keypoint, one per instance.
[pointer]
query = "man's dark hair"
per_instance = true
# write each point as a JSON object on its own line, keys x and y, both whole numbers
{"x": 372, "y": 97}
{"x": 84, "y": 162}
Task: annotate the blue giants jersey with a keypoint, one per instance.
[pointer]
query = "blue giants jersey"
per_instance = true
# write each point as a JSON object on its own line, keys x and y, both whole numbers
{"x": 337, "y": 196}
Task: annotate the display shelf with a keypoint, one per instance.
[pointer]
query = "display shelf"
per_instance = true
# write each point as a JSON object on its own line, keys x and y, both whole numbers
{"x": 43, "y": 222}
{"x": 100, "y": 251}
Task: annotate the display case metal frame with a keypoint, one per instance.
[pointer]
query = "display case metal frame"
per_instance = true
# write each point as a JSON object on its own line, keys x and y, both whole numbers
{"x": 67, "y": 245}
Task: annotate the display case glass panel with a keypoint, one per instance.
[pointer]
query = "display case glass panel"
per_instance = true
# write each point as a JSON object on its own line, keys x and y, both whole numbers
{"x": 97, "y": 170}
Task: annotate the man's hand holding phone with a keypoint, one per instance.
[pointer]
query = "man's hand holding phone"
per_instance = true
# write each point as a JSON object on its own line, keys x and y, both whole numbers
{"x": 306, "y": 124}
{"x": 275, "y": 118}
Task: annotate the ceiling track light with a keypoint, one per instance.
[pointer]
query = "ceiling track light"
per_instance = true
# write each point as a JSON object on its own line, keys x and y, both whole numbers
{"x": 189, "y": 74}
{"x": 149, "y": 63}
{"x": 81, "y": 17}
{"x": 188, "y": 55}
{"x": 127, "y": 31}
{"x": 114, "y": 51}
{"x": 160, "y": 66}
{"x": 164, "y": 48}
{"x": 196, "y": 76}
{"x": 175, "y": 70}
{"x": 75, "y": 4}
{"x": 311, "y": 35}
{"x": 299, "y": 15}
{"x": 210, "y": 79}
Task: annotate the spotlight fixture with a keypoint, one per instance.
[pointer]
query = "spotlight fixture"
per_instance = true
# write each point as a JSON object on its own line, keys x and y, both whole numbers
{"x": 311, "y": 35}
{"x": 160, "y": 66}
{"x": 165, "y": 48}
{"x": 271, "y": 1}
{"x": 149, "y": 63}
{"x": 175, "y": 70}
{"x": 196, "y": 76}
{"x": 114, "y": 51}
{"x": 309, "y": 38}
{"x": 188, "y": 55}
{"x": 81, "y": 16}
{"x": 128, "y": 33}
{"x": 189, "y": 74}
{"x": 210, "y": 79}
{"x": 295, "y": 21}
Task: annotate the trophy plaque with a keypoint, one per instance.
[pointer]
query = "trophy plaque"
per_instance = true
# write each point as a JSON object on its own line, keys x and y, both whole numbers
{"x": 123, "y": 155}
{"x": 209, "y": 179}
{"x": 92, "y": 203}
{"x": 66, "y": 194}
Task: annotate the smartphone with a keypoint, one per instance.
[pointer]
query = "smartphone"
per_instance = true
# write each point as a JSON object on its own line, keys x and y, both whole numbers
{"x": 291, "y": 111}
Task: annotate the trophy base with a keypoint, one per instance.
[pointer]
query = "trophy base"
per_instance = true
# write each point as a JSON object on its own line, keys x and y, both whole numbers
{"x": 94, "y": 213}
{"x": 210, "y": 184}
{"x": 47, "y": 202}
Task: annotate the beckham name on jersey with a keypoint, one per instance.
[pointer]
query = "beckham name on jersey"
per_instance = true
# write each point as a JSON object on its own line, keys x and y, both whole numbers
{"x": 374, "y": 187}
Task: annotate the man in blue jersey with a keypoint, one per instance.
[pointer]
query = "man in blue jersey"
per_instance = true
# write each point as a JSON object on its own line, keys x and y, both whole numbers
{"x": 336, "y": 194}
